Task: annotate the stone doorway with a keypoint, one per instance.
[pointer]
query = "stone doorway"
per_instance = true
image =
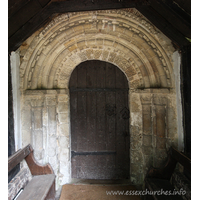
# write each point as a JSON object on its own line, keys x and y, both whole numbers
{"x": 123, "y": 38}
{"x": 99, "y": 112}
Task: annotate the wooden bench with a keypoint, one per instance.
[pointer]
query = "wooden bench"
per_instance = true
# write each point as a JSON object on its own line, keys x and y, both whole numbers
{"x": 158, "y": 179}
{"x": 42, "y": 185}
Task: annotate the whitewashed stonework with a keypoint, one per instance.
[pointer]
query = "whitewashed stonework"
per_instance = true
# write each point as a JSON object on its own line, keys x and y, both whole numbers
{"x": 124, "y": 38}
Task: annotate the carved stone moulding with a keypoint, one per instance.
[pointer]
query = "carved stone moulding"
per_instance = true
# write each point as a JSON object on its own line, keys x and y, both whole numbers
{"x": 67, "y": 39}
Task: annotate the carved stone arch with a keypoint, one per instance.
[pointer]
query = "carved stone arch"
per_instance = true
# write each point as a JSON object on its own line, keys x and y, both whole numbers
{"x": 112, "y": 32}
{"x": 124, "y": 38}
{"x": 66, "y": 69}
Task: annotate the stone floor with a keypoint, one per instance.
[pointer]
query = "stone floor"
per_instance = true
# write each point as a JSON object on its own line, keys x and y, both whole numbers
{"x": 80, "y": 182}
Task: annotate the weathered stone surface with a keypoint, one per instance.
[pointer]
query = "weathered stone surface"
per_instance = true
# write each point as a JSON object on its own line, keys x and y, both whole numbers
{"x": 52, "y": 120}
{"x": 51, "y": 100}
{"x": 136, "y": 156}
{"x": 148, "y": 150}
{"x": 64, "y": 155}
{"x": 26, "y": 118}
{"x": 147, "y": 120}
{"x": 37, "y": 102}
{"x": 26, "y": 137}
{"x": 135, "y": 167}
{"x": 39, "y": 155}
{"x": 63, "y": 117}
{"x": 135, "y": 145}
{"x": 63, "y": 107}
{"x": 121, "y": 37}
{"x": 64, "y": 141}
{"x": 160, "y": 157}
{"x": 137, "y": 178}
{"x": 18, "y": 182}
{"x": 136, "y": 119}
{"x": 52, "y": 141}
{"x": 38, "y": 139}
{"x": 64, "y": 98}
{"x": 63, "y": 129}
{"x": 172, "y": 118}
{"x": 161, "y": 142}
{"x": 160, "y": 121}
{"x": 135, "y": 130}
{"x": 37, "y": 118}
{"x": 147, "y": 140}
{"x": 51, "y": 152}
{"x": 54, "y": 163}
{"x": 148, "y": 158}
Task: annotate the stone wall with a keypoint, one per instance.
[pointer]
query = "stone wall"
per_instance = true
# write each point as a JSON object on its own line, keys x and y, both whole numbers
{"x": 124, "y": 38}
{"x": 46, "y": 125}
{"x": 153, "y": 129}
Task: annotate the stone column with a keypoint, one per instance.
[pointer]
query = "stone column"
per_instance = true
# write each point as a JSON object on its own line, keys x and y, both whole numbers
{"x": 136, "y": 155}
{"x": 46, "y": 126}
{"x": 146, "y": 101}
{"x": 150, "y": 133}
{"x": 37, "y": 127}
{"x": 50, "y": 128}
{"x": 63, "y": 109}
{"x": 14, "y": 64}
{"x": 26, "y": 122}
{"x": 159, "y": 129}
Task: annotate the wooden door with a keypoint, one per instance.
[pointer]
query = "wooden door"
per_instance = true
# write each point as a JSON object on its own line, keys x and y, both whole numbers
{"x": 99, "y": 122}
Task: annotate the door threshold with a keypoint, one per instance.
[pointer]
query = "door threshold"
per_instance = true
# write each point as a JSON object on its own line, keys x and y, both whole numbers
{"x": 100, "y": 182}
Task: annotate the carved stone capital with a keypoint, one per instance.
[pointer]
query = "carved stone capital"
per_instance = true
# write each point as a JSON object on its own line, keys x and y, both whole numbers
{"x": 50, "y": 100}
{"x": 159, "y": 100}
{"x": 146, "y": 100}
{"x": 37, "y": 102}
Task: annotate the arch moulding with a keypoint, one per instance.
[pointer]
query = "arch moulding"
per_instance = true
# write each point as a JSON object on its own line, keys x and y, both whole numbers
{"x": 124, "y": 38}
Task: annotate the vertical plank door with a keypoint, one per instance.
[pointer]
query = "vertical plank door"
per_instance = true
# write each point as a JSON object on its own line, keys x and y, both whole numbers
{"x": 99, "y": 115}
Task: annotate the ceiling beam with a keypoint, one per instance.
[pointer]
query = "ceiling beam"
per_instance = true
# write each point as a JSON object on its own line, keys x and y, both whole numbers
{"x": 177, "y": 20}
{"x": 164, "y": 26}
{"x": 88, "y": 5}
{"x": 184, "y": 4}
{"x": 23, "y": 15}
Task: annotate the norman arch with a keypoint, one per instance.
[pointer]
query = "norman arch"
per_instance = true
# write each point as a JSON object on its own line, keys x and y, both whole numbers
{"x": 124, "y": 38}
{"x": 128, "y": 42}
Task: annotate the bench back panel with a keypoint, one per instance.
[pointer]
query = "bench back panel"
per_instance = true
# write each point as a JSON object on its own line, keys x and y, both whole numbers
{"x": 17, "y": 157}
